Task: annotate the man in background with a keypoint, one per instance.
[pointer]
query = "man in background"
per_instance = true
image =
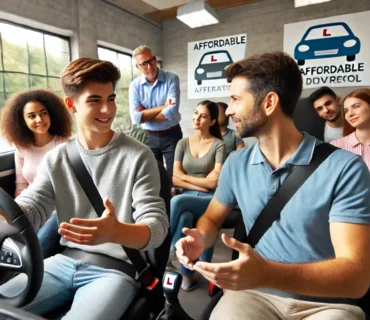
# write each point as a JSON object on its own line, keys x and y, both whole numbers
{"x": 327, "y": 106}
{"x": 154, "y": 99}
{"x": 232, "y": 142}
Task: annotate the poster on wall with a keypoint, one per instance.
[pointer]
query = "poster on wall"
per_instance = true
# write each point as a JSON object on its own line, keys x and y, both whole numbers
{"x": 333, "y": 51}
{"x": 207, "y": 60}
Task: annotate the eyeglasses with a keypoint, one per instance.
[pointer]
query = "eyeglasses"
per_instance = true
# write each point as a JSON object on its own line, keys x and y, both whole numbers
{"x": 144, "y": 64}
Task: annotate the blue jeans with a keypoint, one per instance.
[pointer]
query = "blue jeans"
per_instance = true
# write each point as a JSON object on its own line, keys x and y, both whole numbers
{"x": 49, "y": 237}
{"x": 96, "y": 293}
{"x": 163, "y": 146}
{"x": 186, "y": 209}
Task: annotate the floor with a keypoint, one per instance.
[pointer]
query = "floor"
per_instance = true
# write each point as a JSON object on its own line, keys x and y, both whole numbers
{"x": 195, "y": 301}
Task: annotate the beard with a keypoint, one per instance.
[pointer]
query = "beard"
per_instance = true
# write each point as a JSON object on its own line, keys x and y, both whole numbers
{"x": 335, "y": 118}
{"x": 249, "y": 127}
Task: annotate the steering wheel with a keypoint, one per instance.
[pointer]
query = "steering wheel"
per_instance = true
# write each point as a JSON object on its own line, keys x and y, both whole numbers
{"x": 23, "y": 258}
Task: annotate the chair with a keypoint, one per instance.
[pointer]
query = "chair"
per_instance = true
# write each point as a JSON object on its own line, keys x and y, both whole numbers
{"x": 138, "y": 134}
{"x": 7, "y": 174}
{"x": 240, "y": 234}
{"x": 145, "y": 306}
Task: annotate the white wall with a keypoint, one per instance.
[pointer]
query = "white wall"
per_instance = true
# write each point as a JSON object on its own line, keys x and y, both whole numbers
{"x": 264, "y": 24}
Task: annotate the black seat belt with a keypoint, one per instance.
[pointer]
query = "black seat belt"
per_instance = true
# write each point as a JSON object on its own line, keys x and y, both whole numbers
{"x": 290, "y": 186}
{"x": 145, "y": 275}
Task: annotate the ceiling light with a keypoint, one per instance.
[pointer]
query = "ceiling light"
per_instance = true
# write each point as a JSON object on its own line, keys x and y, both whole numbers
{"x": 197, "y": 14}
{"x": 302, "y": 3}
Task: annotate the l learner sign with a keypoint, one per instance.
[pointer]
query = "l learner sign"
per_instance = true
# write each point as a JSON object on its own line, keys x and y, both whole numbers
{"x": 333, "y": 51}
{"x": 207, "y": 61}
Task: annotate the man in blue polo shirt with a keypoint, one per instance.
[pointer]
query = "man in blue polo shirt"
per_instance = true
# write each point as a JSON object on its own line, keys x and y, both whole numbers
{"x": 314, "y": 262}
{"x": 154, "y": 104}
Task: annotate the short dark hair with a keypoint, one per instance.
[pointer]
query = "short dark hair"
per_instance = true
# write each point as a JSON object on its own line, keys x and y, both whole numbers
{"x": 13, "y": 126}
{"x": 271, "y": 72}
{"x": 320, "y": 93}
{"x": 85, "y": 70}
{"x": 212, "y": 107}
{"x": 222, "y": 105}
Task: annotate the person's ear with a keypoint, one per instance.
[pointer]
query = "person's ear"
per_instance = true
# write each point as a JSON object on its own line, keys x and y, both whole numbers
{"x": 270, "y": 102}
{"x": 70, "y": 105}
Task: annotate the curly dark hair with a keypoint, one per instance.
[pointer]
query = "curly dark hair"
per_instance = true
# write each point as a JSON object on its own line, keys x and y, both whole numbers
{"x": 12, "y": 124}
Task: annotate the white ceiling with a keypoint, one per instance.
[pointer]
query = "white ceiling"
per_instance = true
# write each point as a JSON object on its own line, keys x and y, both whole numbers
{"x": 163, "y": 4}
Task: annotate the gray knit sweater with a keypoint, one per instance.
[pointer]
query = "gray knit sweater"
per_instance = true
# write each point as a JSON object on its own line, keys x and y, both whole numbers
{"x": 125, "y": 170}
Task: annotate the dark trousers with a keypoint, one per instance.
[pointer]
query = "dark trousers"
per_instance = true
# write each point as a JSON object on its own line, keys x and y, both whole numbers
{"x": 163, "y": 146}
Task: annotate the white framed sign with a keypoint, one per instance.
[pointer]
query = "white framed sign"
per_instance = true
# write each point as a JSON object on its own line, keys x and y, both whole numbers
{"x": 169, "y": 281}
{"x": 333, "y": 51}
{"x": 207, "y": 61}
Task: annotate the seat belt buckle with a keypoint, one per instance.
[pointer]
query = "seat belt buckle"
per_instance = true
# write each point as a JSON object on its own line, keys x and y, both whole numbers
{"x": 152, "y": 285}
{"x": 147, "y": 279}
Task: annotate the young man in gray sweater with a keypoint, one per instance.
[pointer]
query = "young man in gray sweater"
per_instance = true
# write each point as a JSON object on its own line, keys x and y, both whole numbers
{"x": 125, "y": 173}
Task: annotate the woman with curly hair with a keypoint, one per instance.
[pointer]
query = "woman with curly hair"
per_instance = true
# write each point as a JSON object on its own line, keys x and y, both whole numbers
{"x": 35, "y": 121}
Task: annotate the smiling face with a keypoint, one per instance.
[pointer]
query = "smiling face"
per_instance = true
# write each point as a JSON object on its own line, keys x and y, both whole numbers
{"x": 328, "y": 108}
{"x": 202, "y": 118}
{"x": 247, "y": 117}
{"x": 36, "y": 117}
{"x": 357, "y": 112}
{"x": 147, "y": 64}
{"x": 94, "y": 108}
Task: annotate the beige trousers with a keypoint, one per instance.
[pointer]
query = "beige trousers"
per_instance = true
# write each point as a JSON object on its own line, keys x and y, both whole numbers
{"x": 255, "y": 305}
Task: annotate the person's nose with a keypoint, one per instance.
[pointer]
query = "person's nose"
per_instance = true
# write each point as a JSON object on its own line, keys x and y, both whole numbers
{"x": 229, "y": 110}
{"x": 104, "y": 107}
{"x": 149, "y": 67}
{"x": 350, "y": 112}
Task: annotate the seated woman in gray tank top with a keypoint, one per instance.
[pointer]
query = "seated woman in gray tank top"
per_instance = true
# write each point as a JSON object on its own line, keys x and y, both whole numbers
{"x": 198, "y": 162}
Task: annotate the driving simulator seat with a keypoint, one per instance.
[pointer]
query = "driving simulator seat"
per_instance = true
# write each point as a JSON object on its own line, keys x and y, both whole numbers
{"x": 146, "y": 305}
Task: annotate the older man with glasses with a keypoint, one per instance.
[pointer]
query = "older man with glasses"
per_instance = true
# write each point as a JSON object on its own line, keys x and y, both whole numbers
{"x": 154, "y": 104}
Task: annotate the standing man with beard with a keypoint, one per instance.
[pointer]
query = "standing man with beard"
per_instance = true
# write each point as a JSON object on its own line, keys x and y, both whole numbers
{"x": 313, "y": 262}
{"x": 327, "y": 106}
{"x": 154, "y": 104}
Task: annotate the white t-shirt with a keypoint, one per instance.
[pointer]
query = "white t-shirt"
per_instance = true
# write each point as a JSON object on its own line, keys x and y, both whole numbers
{"x": 331, "y": 134}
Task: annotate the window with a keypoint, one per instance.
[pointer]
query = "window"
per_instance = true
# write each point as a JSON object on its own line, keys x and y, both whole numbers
{"x": 30, "y": 58}
{"x": 327, "y": 32}
{"x": 126, "y": 65}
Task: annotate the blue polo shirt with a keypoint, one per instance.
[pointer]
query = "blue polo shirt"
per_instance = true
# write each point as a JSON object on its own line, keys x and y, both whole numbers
{"x": 338, "y": 191}
{"x": 142, "y": 93}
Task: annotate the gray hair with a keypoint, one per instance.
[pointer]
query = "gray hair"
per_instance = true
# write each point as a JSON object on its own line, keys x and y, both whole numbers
{"x": 140, "y": 50}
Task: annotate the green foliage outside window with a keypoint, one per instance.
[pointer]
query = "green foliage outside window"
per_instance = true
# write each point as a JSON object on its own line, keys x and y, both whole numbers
{"x": 30, "y": 59}
{"x": 124, "y": 62}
